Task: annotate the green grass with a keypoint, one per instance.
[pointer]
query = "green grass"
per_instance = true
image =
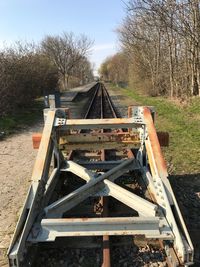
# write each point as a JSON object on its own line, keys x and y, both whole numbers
{"x": 183, "y": 125}
{"x": 22, "y": 118}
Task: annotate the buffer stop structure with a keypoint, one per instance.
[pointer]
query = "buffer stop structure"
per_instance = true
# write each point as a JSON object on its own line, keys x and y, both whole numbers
{"x": 44, "y": 216}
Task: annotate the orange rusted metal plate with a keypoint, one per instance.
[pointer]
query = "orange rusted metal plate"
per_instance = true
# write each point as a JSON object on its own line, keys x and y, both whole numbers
{"x": 36, "y": 139}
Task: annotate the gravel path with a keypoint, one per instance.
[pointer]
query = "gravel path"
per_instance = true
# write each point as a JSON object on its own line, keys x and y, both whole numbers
{"x": 16, "y": 163}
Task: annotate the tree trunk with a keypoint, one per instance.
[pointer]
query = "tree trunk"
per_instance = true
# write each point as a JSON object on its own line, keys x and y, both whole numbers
{"x": 171, "y": 72}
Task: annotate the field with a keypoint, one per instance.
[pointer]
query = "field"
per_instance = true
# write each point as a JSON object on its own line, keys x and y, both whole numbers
{"x": 183, "y": 124}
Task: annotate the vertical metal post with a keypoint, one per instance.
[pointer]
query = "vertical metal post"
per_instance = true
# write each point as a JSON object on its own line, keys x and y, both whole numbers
{"x": 57, "y": 99}
{"x": 52, "y": 102}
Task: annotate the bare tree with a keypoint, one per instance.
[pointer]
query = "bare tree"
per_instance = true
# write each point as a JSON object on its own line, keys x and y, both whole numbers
{"x": 163, "y": 38}
{"x": 66, "y": 51}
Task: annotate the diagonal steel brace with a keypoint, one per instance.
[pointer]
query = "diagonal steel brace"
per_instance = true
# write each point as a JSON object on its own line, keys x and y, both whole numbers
{"x": 94, "y": 185}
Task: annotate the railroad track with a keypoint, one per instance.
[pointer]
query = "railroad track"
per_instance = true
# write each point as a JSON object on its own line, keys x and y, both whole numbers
{"x": 96, "y": 206}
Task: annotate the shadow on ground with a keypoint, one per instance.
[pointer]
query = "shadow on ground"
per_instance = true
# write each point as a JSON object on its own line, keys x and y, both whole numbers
{"x": 21, "y": 119}
{"x": 187, "y": 191}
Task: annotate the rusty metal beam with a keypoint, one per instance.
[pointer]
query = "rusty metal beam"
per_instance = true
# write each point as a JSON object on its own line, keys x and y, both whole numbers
{"x": 97, "y": 146}
{"x": 124, "y": 137}
{"x": 99, "y": 141}
{"x": 156, "y": 149}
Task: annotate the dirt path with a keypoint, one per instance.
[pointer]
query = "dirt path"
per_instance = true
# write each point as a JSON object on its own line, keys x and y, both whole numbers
{"x": 16, "y": 163}
{"x": 120, "y": 101}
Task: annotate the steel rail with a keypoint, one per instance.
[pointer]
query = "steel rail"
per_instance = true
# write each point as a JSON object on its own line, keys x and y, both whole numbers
{"x": 104, "y": 96}
{"x": 104, "y": 201}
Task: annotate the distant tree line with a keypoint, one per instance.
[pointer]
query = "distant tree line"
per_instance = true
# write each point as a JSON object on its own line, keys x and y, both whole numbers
{"x": 161, "y": 40}
{"x": 115, "y": 69}
{"x": 28, "y": 70}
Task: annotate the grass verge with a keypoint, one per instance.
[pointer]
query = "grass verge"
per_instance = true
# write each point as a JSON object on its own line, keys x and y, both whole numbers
{"x": 183, "y": 125}
{"x": 22, "y": 118}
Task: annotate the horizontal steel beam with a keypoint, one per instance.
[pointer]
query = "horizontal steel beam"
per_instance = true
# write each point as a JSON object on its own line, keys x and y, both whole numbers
{"x": 53, "y": 228}
{"x": 116, "y": 123}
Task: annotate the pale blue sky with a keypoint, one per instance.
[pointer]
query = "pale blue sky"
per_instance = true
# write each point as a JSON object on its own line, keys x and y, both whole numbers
{"x": 32, "y": 19}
